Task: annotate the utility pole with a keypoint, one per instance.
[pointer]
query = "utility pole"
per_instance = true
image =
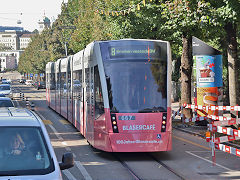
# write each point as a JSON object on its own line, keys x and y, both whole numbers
{"x": 66, "y": 39}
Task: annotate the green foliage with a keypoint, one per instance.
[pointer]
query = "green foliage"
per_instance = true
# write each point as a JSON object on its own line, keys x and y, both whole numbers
{"x": 159, "y": 19}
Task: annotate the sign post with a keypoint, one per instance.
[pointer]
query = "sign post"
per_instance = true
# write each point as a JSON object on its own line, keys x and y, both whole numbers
{"x": 66, "y": 39}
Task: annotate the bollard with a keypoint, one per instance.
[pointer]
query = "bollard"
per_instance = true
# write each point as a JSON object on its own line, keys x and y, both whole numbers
{"x": 208, "y": 136}
{"x": 27, "y": 102}
{"x": 32, "y": 106}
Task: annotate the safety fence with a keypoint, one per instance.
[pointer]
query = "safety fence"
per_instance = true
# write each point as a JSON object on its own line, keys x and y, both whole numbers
{"x": 216, "y": 126}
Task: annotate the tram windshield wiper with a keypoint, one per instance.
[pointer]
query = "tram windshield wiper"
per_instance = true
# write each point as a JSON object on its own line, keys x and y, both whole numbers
{"x": 154, "y": 109}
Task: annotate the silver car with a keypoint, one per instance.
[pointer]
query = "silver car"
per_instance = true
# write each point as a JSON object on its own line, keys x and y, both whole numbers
{"x": 6, "y": 90}
{"x": 25, "y": 149}
{"x": 6, "y": 102}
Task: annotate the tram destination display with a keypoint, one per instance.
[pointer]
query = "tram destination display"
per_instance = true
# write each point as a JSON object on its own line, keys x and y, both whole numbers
{"x": 135, "y": 51}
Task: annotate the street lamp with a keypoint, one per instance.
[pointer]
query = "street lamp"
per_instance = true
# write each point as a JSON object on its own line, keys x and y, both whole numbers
{"x": 66, "y": 39}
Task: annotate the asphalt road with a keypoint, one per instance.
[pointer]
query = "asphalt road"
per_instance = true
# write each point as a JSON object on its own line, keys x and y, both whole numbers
{"x": 190, "y": 157}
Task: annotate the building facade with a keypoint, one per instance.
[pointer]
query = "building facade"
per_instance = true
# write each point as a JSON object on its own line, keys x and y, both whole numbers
{"x": 25, "y": 39}
{"x": 10, "y": 39}
{"x": 45, "y": 23}
{"x": 9, "y": 59}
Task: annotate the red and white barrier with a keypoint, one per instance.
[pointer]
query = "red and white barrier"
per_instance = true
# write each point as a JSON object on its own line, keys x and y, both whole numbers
{"x": 195, "y": 119}
{"x": 213, "y": 108}
{"x": 224, "y": 130}
{"x": 227, "y": 149}
{"x": 217, "y": 125}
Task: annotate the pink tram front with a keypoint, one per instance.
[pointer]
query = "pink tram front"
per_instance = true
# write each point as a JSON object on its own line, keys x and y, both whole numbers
{"x": 117, "y": 94}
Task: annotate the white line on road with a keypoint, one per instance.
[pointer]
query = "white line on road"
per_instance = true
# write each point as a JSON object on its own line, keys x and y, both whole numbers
{"x": 83, "y": 170}
{"x": 69, "y": 175}
{"x": 208, "y": 161}
{"x": 78, "y": 163}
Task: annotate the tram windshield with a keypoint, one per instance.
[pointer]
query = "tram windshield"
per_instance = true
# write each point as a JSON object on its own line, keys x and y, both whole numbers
{"x": 137, "y": 86}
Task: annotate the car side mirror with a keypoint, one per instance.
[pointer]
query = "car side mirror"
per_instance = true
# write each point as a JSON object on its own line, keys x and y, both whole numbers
{"x": 67, "y": 161}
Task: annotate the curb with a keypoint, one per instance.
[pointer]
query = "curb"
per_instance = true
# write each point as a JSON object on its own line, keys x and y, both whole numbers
{"x": 199, "y": 135}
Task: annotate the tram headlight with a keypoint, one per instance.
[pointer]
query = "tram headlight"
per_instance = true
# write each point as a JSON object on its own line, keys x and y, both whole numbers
{"x": 114, "y": 123}
{"x": 164, "y": 122}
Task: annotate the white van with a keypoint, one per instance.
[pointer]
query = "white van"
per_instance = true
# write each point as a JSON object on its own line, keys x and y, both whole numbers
{"x": 29, "y": 82}
{"x": 25, "y": 148}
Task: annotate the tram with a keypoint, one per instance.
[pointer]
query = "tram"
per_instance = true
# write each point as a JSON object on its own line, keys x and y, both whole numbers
{"x": 116, "y": 93}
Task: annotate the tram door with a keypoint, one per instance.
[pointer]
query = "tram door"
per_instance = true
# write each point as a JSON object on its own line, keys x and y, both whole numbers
{"x": 52, "y": 88}
{"x": 86, "y": 99}
{"x": 77, "y": 99}
{"x": 89, "y": 102}
{"x": 57, "y": 79}
{"x": 69, "y": 90}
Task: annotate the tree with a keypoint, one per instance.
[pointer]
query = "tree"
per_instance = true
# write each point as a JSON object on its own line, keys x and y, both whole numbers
{"x": 183, "y": 20}
{"x": 226, "y": 16}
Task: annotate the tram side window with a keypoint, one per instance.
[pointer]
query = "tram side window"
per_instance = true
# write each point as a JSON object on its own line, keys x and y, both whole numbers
{"x": 58, "y": 81}
{"x": 99, "y": 106}
{"x": 77, "y": 84}
{"x": 87, "y": 81}
{"x": 63, "y": 86}
{"x": 69, "y": 80}
{"x": 52, "y": 81}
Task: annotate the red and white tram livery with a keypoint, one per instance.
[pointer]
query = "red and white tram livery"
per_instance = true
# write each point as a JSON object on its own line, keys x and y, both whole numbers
{"x": 120, "y": 94}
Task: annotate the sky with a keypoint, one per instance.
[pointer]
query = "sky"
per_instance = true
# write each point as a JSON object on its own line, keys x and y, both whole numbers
{"x": 29, "y": 12}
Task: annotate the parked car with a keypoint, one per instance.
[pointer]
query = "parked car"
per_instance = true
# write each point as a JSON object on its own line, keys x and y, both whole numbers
{"x": 29, "y": 82}
{"x": 6, "y": 81}
{"x": 6, "y": 102}
{"x": 25, "y": 149}
{"x": 22, "y": 81}
{"x": 6, "y": 90}
{"x": 39, "y": 85}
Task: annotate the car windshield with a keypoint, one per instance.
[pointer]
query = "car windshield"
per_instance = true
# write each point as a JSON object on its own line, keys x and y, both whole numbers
{"x": 76, "y": 82}
{"x": 23, "y": 151}
{"x": 6, "y": 103}
{"x": 3, "y": 88}
{"x": 5, "y": 82}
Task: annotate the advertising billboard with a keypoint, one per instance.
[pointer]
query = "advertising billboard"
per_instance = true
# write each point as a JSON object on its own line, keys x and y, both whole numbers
{"x": 207, "y": 74}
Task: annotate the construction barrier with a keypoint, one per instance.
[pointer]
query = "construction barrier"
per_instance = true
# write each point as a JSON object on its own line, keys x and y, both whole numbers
{"x": 216, "y": 125}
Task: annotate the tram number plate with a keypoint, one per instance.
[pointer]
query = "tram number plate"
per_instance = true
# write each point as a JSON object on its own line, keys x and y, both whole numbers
{"x": 126, "y": 118}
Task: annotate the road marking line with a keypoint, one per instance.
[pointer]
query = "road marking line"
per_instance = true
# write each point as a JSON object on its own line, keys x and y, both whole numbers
{"x": 182, "y": 139}
{"x": 78, "y": 163}
{"x": 208, "y": 161}
{"x": 64, "y": 122}
{"x": 69, "y": 175}
{"x": 56, "y": 133}
{"x": 207, "y": 152}
{"x": 47, "y": 122}
{"x": 83, "y": 170}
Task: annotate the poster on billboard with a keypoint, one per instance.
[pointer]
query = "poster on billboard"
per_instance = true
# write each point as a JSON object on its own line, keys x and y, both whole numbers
{"x": 209, "y": 71}
{"x": 208, "y": 96}
{"x": 207, "y": 75}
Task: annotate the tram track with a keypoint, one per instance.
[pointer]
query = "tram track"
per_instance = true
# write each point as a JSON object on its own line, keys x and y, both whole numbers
{"x": 130, "y": 170}
{"x": 167, "y": 167}
{"x": 155, "y": 160}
